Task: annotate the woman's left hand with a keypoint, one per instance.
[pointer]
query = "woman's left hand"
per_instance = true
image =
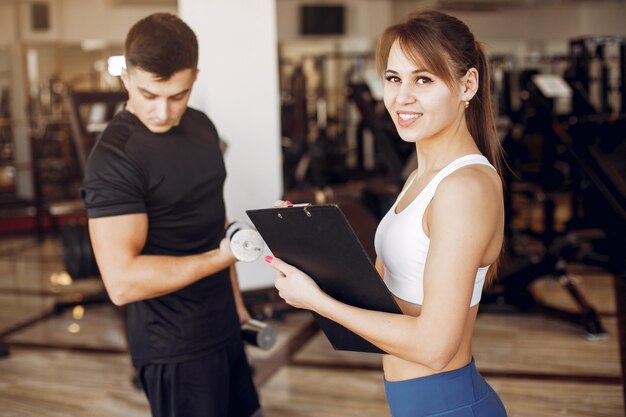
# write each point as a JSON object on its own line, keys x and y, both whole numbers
{"x": 294, "y": 286}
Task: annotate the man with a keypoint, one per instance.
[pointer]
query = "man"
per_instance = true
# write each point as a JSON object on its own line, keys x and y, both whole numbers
{"x": 153, "y": 190}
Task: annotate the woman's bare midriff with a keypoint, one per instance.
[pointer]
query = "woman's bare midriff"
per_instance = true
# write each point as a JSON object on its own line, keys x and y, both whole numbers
{"x": 397, "y": 369}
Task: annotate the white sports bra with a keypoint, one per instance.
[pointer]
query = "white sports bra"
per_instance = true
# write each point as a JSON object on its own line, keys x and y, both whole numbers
{"x": 402, "y": 245}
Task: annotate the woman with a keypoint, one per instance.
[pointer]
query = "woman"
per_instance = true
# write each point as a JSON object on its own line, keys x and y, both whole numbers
{"x": 440, "y": 242}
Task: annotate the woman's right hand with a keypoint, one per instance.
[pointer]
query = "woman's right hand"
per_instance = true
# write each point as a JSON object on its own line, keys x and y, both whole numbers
{"x": 294, "y": 286}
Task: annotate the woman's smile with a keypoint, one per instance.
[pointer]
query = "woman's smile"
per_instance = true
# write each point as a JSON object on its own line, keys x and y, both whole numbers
{"x": 407, "y": 118}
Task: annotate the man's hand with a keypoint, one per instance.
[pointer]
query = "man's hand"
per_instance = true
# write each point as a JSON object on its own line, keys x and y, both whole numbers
{"x": 226, "y": 252}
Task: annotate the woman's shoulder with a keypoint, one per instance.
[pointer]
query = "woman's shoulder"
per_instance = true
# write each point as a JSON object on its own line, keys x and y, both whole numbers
{"x": 471, "y": 190}
{"x": 472, "y": 179}
{"x": 471, "y": 200}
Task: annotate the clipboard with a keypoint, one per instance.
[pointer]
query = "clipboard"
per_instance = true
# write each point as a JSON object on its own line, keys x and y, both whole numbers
{"x": 318, "y": 240}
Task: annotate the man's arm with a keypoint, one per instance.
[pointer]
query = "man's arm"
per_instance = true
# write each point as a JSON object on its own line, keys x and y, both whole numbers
{"x": 129, "y": 276}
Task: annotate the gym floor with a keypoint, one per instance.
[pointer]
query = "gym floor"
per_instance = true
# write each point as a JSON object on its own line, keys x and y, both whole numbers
{"x": 73, "y": 361}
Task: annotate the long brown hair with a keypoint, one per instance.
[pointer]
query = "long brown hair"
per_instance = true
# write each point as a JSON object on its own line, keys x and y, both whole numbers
{"x": 447, "y": 47}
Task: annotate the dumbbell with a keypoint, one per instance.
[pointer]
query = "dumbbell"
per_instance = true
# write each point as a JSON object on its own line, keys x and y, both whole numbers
{"x": 78, "y": 254}
{"x": 259, "y": 334}
{"x": 245, "y": 242}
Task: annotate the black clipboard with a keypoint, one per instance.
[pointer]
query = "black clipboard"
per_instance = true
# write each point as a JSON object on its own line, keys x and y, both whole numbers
{"x": 318, "y": 240}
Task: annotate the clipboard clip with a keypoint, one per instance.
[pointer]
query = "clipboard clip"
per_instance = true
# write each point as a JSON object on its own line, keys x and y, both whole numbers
{"x": 304, "y": 206}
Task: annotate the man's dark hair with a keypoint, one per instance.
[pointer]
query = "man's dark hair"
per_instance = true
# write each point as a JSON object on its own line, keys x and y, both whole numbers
{"x": 161, "y": 44}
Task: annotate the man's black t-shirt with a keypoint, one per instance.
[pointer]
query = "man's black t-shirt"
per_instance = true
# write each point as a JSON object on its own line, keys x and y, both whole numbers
{"x": 177, "y": 179}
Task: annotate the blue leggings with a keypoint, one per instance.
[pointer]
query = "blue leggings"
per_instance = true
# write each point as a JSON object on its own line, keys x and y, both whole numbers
{"x": 459, "y": 393}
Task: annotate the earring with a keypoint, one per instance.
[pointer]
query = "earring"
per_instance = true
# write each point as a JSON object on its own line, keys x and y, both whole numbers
{"x": 466, "y": 103}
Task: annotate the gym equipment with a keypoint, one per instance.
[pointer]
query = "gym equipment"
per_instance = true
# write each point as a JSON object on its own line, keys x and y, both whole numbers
{"x": 598, "y": 145}
{"x": 504, "y": 88}
{"x": 522, "y": 267}
{"x": 373, "y": 121}
{"x": 582, "y": 152}
{"x": 78, "y": 256}
{"x": 324, "y": 141}
{"x": 520, "y": 270}
{"x": 101, "y": 106}
{"x": 259, "y": 334}
{"x": 307, "y": 146}
{"x": 336, "y": 132}
{"x": 245, "y": 242}
{"x": 593, "y": 66}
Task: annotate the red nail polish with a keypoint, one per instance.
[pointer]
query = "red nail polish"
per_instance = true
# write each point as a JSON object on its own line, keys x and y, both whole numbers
{"x": 269, "y": 259}
{"x": 288, "y": 203}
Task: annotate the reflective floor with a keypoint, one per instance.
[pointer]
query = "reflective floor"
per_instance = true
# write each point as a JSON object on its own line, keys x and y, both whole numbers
{"x": 68, "y": 355}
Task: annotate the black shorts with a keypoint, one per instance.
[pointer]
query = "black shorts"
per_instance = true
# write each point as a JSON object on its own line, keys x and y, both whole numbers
{"x": 216, "y": 385}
